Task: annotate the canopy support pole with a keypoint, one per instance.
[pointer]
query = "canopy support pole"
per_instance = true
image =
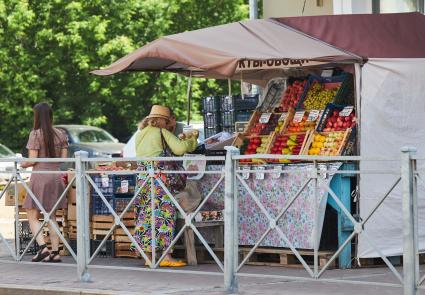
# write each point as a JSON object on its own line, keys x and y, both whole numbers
{"x": 242, "y": 96}
{"x": 189, "y": 97}
{"x": 229, "y": 85}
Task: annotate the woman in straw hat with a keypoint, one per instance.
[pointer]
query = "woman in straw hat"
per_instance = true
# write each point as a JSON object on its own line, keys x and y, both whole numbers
{"x": 149, "y": 143}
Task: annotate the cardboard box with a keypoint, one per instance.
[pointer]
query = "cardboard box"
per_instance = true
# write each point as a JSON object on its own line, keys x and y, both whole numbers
{"x": 10, "y": 194}
{"x": 72, "y": 196}
{"x": 72, "y": 212}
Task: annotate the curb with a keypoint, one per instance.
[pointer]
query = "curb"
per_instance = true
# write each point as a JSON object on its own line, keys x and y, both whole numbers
{"x": 13, "y": 289}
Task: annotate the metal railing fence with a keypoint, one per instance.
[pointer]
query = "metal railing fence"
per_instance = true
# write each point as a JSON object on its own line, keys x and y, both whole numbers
{"x": 407, "y": 177}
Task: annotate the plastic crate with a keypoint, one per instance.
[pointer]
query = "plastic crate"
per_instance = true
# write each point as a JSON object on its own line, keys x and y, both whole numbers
{"x": 25, "y": 237}
{"x": 229, "y": 118}
{"x": 350, "y": 148}
{"x": 117, "y": 181}
{"x": 107, "y": 250}
{"x": 105, "y": 190}
{"x": 100, "y": 208}
{"x": 239, "y": 103}
{"x": 212, "y": 120}
{"x": 211, "y": 104}
{"x": 344, "y": 95}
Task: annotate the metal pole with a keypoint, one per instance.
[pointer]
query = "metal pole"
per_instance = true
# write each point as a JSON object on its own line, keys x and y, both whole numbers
{"x": 189, "y": 97}
{"x": 410, "y": 267}
{"x": 230, "y": 232}
{"x": 16, "y": 197}
{"x": 83, "y": 235}
{"x": 315, "y": 175}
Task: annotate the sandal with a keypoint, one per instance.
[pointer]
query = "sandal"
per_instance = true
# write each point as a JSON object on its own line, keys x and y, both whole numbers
{"x": 40, "y": 254}
{"x": 166, "y": 263}
{"x": 51, "y": 257}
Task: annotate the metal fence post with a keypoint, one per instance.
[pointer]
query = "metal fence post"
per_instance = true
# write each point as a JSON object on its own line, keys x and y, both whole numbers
{"x": 83, "y": 235}
{"x": 230, "y": 232}
{"x": 410, "y": 261}
{"x": 17, "y": 224}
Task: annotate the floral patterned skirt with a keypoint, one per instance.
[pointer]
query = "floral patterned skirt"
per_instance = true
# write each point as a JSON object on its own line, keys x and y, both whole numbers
{"x": 164, "y": 213}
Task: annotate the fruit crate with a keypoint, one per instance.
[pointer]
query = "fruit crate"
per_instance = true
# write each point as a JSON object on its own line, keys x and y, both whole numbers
{"x": 344, "y": 83}
{"x": 306, "y": 123}
{"x": 228, "y": 118}
{"x": 255, "y": 127}
{"x": 350, "y": 148}
{"x": 210, "y": 104}
{"x": 288, "y": 119}
{"x": 292, "y": 94}
{"x": 255, "y": 142}
{"x": 301, "y": 145}
{"x": 344, "y": 135}
{"x": 254, "y": 119}
{"x": 330, "y": 111}
{"x": 239, "y": 103}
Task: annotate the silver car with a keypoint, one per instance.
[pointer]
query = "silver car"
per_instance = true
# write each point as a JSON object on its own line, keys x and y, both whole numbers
{"x": 96, "y": 141}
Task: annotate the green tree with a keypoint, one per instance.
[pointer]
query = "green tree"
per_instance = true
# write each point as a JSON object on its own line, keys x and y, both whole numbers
{"x": 48, "y": 48}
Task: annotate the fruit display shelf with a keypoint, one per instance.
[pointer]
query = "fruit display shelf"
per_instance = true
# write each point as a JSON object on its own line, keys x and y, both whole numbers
{"x": 337, "y": 118}
{"x": 289, "y": 144}
{"x": 327, "y": 143}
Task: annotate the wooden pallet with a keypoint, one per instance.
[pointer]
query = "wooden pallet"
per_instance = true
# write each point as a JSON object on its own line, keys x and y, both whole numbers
{"x": 101, "y": 224}
{"x": 284, "y": 257}
{"x": 123, "y": 250}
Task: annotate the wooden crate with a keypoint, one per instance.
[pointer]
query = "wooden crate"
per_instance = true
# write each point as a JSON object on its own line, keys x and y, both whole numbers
{"x": 340, "y": 148}
{"x": 288, "y": 119}
{"x": 254, "y": 119}
{"x": 284, "y": 257}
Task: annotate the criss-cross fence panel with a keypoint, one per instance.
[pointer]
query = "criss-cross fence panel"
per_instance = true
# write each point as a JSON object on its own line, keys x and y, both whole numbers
{"x": 320, "y": 182}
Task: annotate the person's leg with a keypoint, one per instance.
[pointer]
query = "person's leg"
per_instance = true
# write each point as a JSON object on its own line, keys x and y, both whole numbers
{"x": 54, "y": 239}
{"x": 33, "y": 219}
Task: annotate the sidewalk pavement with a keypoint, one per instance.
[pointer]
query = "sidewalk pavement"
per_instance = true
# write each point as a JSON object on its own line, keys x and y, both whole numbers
{"x": 61, "y": 279}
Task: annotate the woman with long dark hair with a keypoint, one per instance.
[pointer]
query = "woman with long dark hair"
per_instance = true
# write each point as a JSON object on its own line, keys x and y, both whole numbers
{"x": 45, "y": 141}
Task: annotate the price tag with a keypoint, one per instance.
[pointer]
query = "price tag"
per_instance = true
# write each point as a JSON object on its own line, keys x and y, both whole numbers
{"x": 265, "y": 118}
{"x": 313, "y": 115}
{"x": 327, "y": 73}
{"x": 283, "y": 117}
{"x": 124, "y": 186}
{"x": 346, "y": 111}
{"x": 259, "y": 175}
{"x": 105, "y": 181}
{"x": 245, "y": 175}
{"x": 298, "y": 117}
{"x": 277, "y": 172}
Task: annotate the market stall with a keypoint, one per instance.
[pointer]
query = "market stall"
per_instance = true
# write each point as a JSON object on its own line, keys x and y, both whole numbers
{"x": 330, "y": 83}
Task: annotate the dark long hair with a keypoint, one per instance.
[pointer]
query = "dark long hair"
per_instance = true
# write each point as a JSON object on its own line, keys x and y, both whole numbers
{"x": 43, "y": 120}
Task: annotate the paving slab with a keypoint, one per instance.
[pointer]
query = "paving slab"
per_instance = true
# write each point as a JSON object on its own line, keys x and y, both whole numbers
{"x": 132, "y": 278}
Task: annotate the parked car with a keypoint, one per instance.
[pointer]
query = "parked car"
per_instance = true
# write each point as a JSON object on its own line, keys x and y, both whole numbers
{"x": 96, "y": 141}
{"x": 129, "y": 149}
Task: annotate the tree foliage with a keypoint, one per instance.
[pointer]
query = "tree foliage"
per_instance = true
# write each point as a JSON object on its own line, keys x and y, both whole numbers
{"x": 48, "y": 47}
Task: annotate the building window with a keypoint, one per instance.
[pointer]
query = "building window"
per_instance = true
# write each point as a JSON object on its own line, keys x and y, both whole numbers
{"x": 391, "y": 6}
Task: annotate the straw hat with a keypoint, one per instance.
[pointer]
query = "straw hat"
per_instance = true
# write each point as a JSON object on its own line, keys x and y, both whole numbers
{"x": 158, "y": 111}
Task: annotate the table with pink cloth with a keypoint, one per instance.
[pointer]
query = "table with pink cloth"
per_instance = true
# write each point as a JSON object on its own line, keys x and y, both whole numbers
{"x": 274, "y": 194}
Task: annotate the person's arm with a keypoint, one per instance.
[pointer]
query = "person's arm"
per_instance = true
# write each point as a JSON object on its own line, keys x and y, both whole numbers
{"x": 31, "y": 154}
{"x": 33, "y": 147}
{"x": 177, "y": 146}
